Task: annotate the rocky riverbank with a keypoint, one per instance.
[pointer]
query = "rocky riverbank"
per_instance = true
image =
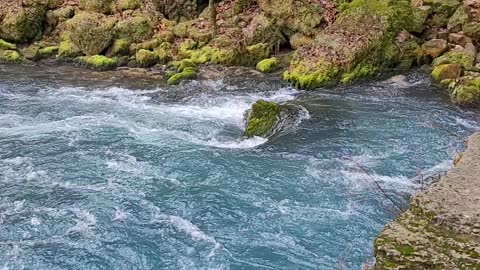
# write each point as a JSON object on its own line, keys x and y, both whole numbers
{"x": 441, "y": 228}
{"x": 310, "y": 43}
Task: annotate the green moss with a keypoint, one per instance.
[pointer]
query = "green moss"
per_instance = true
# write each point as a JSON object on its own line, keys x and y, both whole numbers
{"x": 261, "y": 118}
{"x": 466, "y": 95}
{"x": 9, "y": 56}
{"x": 472, "y": 29}
{"x": 268, "y": 65}
{"x": 459, "y": 18}
{"x": 6, "y": 45}
{"x": 119, "y": 47}
{"x": 134, "y": 29}
{"x": 48, "y": 51}
{"x": 98, "y": 62}
{"x": 202, "y": 55}
{"x": 405, "y": 250}
{"x": 361, "y": 70}
{"x": 454, "y": 57}
{"x": 187, "y": 73}
{"x": 321, "y": 73}
{"x": 145, "y": 58}
{"x": 68, "y": 50}
{"x": 128, "y": 4}
{"x": 164, "y": 52}
{"x": 101, "y": 6}
{"x": 224, "y": 56}
{"x": 446, "y": 71}
{"x": 91, "y": 32}
{"x": 185, "y": 48}
{"x": 181, "y": 65}
{"x": 259, "y": 51}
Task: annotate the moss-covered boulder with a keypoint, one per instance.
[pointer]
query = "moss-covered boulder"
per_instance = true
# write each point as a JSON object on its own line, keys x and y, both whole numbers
{"x": 472, "y": 29}
{"x": 454, "y": 57}
{"x": 91, "y": 32}
{"x": 146, "y": 58}
{"x": 261, "y": 119}
{"x": 268, "y": 65}
{"x": 446, "y": 72}
{"x": 294, "y": 16}
{"x": 467, "y": 93}
{"x": 22, "y": 23}
{"x": 164, "y": 52}
{"x": 129, "y": 4}
{"x": 458, "y": 19}
{"x": 100, "y": 6}
{"x": 363, "y": 40}
{"x": 258, "y": 51}
{"x": 119, "y": 47}
{"x": 58, "y": 16}
{"x": 263, "y": 30}
{"x": 191, "y": 29}
{"x": 31, "y": 52}
{"x": 187, "y": 73}
{"x": 68, "y": 49}
{"x": 135, "y": 29}
{"x": 48, "y": 51}
{"x": 97, "y": 62}
{"x": 10, "y": 56}
{"x": 435, "y": 47}
{"x": 447, "y": 7}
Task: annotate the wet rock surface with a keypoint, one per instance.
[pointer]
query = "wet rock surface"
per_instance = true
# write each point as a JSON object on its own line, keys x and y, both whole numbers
{"x": 441, "y": 228}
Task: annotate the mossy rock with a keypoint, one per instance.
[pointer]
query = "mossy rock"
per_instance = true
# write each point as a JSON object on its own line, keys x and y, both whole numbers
{"x": 6, "y": 45}
{"x": 100, "y": 6}
{"x": 189, "y": 29}
{"x": 146, "y": 58}
{"x": 268, "y": 65}
{"x": 466, "y": 95}
{"x": 258, "y": 51}
{"x": 68, "y": 49}
{"x": 363, "y": 40}
{"x": 23, "y": 24}
{"x": 31, "y": 52}
{"x": 187, "y": 73}
{"x": 261, "y": 118}
{"x": 48, "y": 51}
{"x": 454, "y": 57}
{"x": 472, "y": 29}
{"x": 446, "y": 72}
{"x": 263, "y": 30}
{"x": 298, "y": 40}
{"x": 447, "y": 7}
{"x": 302, "y": 76}
{"x": 134, "y": 29}
{"x": 164, "y": 52}
{"x": 10, "y": 56}
{"x": 181, "y": 65}
{"x": 119, "y": 47}
{"x": 186, "y": 47}
{"x": 458, "y": 19}
{"x": 91, "y": 32}
{"x": 98, "y": 62}
{"x": 129, "y": 4}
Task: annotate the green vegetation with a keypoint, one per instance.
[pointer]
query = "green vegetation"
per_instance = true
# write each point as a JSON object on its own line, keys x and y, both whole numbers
{"x": 98, "y": 62}
{"x": 9, "y": 56}
{"x": 186, "y": 73}
{"x": 268, "y": 65}
{"x": 261, "y": 118}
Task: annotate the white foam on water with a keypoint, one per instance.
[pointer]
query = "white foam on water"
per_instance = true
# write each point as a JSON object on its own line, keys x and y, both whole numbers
{"x": 239, "y": 144}
{"x": 190, "y": 229}
{"x": 85, "y": 220}
{"x": 467, "y": 123}
{"x": 119, "y": 215}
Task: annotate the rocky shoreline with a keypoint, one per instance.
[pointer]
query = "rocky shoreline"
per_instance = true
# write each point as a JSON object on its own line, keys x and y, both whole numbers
{"x": 441, "y": 228}
{"x": 312, "y": 43}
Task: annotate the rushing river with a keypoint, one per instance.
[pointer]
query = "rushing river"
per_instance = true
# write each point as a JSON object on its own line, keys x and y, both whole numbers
{"x": 123, "y": 173}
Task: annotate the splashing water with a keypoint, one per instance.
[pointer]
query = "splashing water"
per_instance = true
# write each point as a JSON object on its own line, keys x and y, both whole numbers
{"x": 110, "y": 177}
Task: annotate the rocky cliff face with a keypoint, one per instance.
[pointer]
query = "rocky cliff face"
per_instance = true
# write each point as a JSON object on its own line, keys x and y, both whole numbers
{"x": 441, "y": 228}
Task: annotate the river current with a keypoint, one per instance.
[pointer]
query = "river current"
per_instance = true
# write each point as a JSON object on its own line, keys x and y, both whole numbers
{"x": 124, "y": 173}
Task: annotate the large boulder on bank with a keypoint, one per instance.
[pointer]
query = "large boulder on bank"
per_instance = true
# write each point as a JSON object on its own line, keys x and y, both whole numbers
{"x": 22, "y": 22}
{"x": 294, "y": 16}
{"x": 90, "y": 32}
{"x": 266, "y": 119}
{"x": 361, "y": 42}
{"x": 435, "y": 47}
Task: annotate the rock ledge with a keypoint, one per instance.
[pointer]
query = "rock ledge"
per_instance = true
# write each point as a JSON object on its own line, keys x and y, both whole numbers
{"x": 441, "y": 228}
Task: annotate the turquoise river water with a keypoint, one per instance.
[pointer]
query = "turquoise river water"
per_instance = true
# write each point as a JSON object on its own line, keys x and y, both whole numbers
{"x": 122, "y": 173}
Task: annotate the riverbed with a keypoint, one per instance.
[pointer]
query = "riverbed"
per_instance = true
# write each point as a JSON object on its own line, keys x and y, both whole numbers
{"x": 102, "y": 172}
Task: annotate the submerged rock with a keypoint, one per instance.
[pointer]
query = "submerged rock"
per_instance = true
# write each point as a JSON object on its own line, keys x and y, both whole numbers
{"x": 266, "y": 119}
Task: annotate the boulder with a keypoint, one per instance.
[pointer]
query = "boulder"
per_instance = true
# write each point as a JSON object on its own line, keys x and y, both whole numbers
{"x": 458, "y": 38}
{"x": 90, "y": 32}
{"x": 98, "y": 62}
{"x": 435, "y": 47}
{"x": 266, "y": 119}
{"x": 100, "y": 6}
{"x": 455, "y": 57}
{"x": 458, "y": 19}
{"x": 186, "y": 74}
{"x": 134, "y": 29}
{"x": 472, "y": 29}
{"x": 22, "y": 23}
{"x": 447, "y": 72}
{"x": 268, "y": 65}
